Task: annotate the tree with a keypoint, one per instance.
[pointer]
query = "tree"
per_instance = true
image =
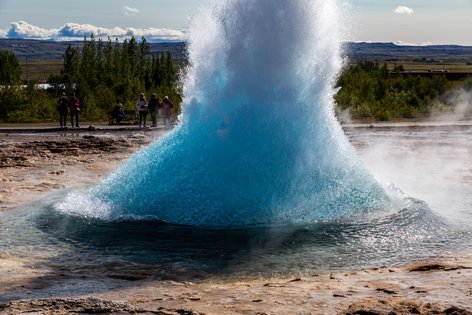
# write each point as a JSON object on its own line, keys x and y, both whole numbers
{"x": 369, "y": 90}
{"x": 100, "y": 73}
{"x": 70, "y": 68}
{"x": 10, "y": 71}
{"x": 156, "y": 72}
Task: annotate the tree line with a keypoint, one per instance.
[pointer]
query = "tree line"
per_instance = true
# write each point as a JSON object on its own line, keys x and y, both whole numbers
{"x": 371, "y": 91}
{"x": 101, "y": 74}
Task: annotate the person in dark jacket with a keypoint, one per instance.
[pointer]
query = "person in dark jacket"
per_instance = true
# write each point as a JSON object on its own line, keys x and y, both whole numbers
{"x": 117, "y": 113}
{"x": 62, "y": 105}
{"x": 153, "y": 108}
{"x": 74, "y": 107}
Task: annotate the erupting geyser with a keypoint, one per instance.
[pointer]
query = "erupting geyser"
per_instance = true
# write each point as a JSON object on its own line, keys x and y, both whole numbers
{"x": 258, "y": 142}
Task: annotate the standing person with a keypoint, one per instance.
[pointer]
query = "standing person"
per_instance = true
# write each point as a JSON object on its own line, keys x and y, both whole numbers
{"x": 62, "y": 105}
{"x": 153, "y": 108}
{"x": 74, "y": 106}
{"x": 167, "y": 108}
{"x": 142, "y": 107}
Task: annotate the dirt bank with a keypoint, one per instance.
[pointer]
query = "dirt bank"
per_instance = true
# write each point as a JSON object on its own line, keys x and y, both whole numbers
{"x": 32, "y": 165}
{"x": 420, "y": 288}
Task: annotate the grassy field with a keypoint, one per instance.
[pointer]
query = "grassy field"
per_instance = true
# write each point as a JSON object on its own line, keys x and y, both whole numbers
{"x": 39, "y": 69}
{"x": 426, "y": 66}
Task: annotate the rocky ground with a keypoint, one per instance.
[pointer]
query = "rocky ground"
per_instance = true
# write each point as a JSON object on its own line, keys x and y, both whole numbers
{"x": 33, "y": 165}
{"x": 434, "y": 287}
{"x": 36, "y": 164}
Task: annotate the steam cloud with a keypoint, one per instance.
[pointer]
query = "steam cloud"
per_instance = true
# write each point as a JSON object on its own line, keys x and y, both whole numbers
{"x": 74, "y": 31}
{"x": 454, "y": 105}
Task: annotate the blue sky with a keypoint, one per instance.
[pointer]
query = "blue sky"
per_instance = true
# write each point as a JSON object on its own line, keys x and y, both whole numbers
{"x": 408, "y": 21}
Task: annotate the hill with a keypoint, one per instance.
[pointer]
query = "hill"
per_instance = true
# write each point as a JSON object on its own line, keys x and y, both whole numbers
{"x": 392, "y": 52}
{"x": 50, "y": 50}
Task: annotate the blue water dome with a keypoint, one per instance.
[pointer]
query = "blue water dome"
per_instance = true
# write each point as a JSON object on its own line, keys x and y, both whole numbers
{"x": 258, "y": 142}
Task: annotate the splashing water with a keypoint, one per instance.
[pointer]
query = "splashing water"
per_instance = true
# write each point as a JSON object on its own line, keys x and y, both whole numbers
{"x": 258, "y": 142}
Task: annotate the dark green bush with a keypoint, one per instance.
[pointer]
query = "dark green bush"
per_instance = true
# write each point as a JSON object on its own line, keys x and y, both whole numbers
{"x": 371, "y": 91}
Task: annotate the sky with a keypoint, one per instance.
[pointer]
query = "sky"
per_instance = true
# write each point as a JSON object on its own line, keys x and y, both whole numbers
{"x": 416, "y": 22}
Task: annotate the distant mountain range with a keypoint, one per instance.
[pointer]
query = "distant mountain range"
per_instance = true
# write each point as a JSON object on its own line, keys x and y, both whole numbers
{"x": 392, "y": 52}
{"x": 50, "y": 50}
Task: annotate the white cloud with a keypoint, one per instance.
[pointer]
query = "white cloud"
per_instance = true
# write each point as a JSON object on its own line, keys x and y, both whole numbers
{"x": 81, "y": 30}
{"x": 130, "y": 11}
{"x": 22, "y": 29}
{"x": 404, "y": 10}
{"x": 401, "y": 43}
{"x": 75, "y": 31}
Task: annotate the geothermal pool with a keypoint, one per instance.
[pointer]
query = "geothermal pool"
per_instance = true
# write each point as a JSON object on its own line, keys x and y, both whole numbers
{"x": 259, "y": 177}
{"x": 430, "y": 163}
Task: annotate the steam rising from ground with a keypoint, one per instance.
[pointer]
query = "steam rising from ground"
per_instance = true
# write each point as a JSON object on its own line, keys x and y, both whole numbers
{"x": 454, "y": 105}
{"x": 432, "y": 162}
{"x": 258, "y": 142}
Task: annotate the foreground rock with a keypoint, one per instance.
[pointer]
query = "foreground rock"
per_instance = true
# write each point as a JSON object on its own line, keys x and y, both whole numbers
{"x": 420, "y": 288}
{"x": 33, "y": 165}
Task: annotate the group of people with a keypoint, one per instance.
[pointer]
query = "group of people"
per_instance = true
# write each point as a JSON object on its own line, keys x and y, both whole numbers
{"x": 72, "y": 105}
{"x": 153, "y": 106}
{"x": 64, "y": 106}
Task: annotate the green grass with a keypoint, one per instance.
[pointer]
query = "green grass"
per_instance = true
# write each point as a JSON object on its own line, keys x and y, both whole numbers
{"x": 423, "y": 66}
{"x": 40, "y": 70}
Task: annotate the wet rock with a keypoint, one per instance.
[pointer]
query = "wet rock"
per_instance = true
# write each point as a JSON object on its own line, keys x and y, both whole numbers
{"x": 434, "y": 266}
{"x": 339, "y": 294}
{"x": 66, "y": 305}
{"x": 296, "y": 280}
{"x": 128, "y": 277}
{"x": 385, "y": 290}
{"x": 59, "y": 172}
{"x": 57, "y": 150}
{"x": 370, "y": 306}
{"x": 454, "y": 310}
{"x": 83, "y": 306}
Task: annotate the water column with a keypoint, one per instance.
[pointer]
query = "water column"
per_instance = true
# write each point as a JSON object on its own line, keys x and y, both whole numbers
{"x": 258, "y": 142}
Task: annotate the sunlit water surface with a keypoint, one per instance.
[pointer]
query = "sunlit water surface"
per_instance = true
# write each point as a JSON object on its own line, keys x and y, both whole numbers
{"x": 416, "y": 230}
{"x": 259, "y": 178}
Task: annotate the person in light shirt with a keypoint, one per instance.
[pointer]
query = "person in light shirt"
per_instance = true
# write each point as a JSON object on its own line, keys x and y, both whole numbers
{"x": 142, "y": 107}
